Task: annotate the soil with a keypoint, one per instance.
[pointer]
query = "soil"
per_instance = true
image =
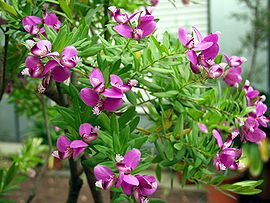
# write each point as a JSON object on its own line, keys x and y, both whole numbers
{"x": 54, "y": 189}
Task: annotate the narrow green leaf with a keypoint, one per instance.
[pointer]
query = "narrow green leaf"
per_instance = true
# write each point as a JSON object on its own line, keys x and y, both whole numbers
{"x": 64, "y": 6}
{"x": 8, "y": 8}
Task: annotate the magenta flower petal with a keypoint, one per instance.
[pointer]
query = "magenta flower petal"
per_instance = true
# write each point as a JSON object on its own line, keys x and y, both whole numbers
{"x": 127, "y": 188}
{"x": 35, "y": 67}
{"x": 85, "y": 128}
{"x": 211, "y": 38}
{"x": 130, "y": 179}
{"x": 148, "y": 185}
{"x": 30, "y": 24}
{"x": 111, "y": 104}
{"x": 78, "y": 147}
{"x": 77, "y": 152}
{"x": 113, "y": 93}
{"x": 89, "y": 96}
{"x": 148, "y": 27}
{"x": 132, "y": 158}
{"x": 49, "y": 66}
{"x": 203, "y": 128}
{"x": 183, "y": 35}
{"x": 198, "y": 34}
{"x": 96, "y": 78}
{"x": 69, "y": 57}
{"x": 261, "y": 108}
{"x": 211, "y": 52}
{"x": 192, "y": 57}
{"x": 51, "y": 19}
{"x": 62, "y": 143}
{"x": 218, "y": 137}
{"x": 114, "y": 79}
{"x": 41, "y": 48}
{"x": 233, "y": 76}
{"x": 124, "y": 30}
{"x": 102, "y": 172}
{"x": 202, "y": 46}
{"x": 60, "y": 74}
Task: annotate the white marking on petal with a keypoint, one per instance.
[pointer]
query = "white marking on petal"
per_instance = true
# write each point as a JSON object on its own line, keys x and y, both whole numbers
{"x": 99, "y": 184}
{"x": 119, "y": 158}
{"x": 25, "y": 72}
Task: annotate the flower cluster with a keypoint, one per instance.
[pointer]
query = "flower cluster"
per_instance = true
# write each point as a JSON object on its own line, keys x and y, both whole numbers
{"x": 227, "y": 157}
{"x": 35, "y": 25}
{"x": 66, "y": 148}
{"x": 101, "y": 97}
{"x": 39, "y": 66}
{"x": 145, "y": 24}
{"x": 250, "y": 129}
{"x": 203, "y": 53}
{"x": 140, "y": 186}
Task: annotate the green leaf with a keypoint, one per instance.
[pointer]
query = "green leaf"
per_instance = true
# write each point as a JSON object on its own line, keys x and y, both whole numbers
{"x": 104, "y": 121}
{"x": 158, "y": 172}
{"x": 8, "y": 8}
{"x": 124, "y": 137}
{"x": 51, "y": 34}
{"x": 91, "y": 51}
{"x": 168, "y": 150}
{"x": 64, "y": 6}
{"x": 134, "y": 123}
{"x": 132, "y": 97}
{"x": 128, "y": 115}
{"x": 218, "y": 59}
{"x": 115, "y": 133}
{"x": 170, "y": 93}
{"x": 178, "y": 128}
{"x": 10, "y": 175}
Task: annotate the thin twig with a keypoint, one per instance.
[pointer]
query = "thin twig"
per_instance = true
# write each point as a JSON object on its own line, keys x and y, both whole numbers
{"x": 3, "y": 67}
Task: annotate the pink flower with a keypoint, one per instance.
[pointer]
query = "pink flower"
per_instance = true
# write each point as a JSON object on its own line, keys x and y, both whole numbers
{"x": 31, "y": 24}
{"x": 66, "y": 148}
{"x": 88, "y": 132}
{"x": 250, "y": 92}
{"x": 233, "y": 76}
{"x": 145, "y": 26}
{"x": 202, "y": 128}
{"x": 105, "y": 177}
{"x": 69, "y": 57}
{"x": 251, "y": 131}
{"x": 227, "y": 157}
{"x": 235, "y": 61}
{"x": 154, "y": 2}
{"x": 112, "y": 97}
{"x": 42, "y": 48}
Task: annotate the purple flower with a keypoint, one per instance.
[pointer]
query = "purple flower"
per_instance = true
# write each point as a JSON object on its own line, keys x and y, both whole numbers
{"x": 251, "y": 131}
{"x": 34, "y": 67}
{"x": 145, "y": 26}
{"x": 226, "y": 157}
{"x": 250, "y": 92}
{"x": 69, "y": 57}
{"x": 208, "y": 47}
{"x": 30, "y": 24}
{"x": 51, "y": 20}
{"x": 185, "y": 38}
{"x": 43, "y": 48}
{"x": 216, "y": 70}
{"x": 261, "y": 108}
{"x": 147, "y": 186}
{"x": 202, "y": 128}
{"x": 235, "y": 61}
{"x": 154, "y": 2}
{"x": 129, "y": 163}
{"x": 233, "y": 76}
{"x": 105, "y": 177}
{"x": 66, "y": 148}
{"x": 112, "y": 97}
{"x": 88, "y": 132}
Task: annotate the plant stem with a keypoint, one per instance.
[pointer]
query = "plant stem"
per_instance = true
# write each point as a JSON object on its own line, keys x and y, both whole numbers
{"x": 3, "y": 66}
{"x": 75, "y": 182}
{"x": 91, "y": 181}
{"x": 106, "y": 4}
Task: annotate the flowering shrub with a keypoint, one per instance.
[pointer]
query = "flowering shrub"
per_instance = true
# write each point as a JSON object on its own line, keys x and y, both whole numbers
{"x": 196, "y": 122}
